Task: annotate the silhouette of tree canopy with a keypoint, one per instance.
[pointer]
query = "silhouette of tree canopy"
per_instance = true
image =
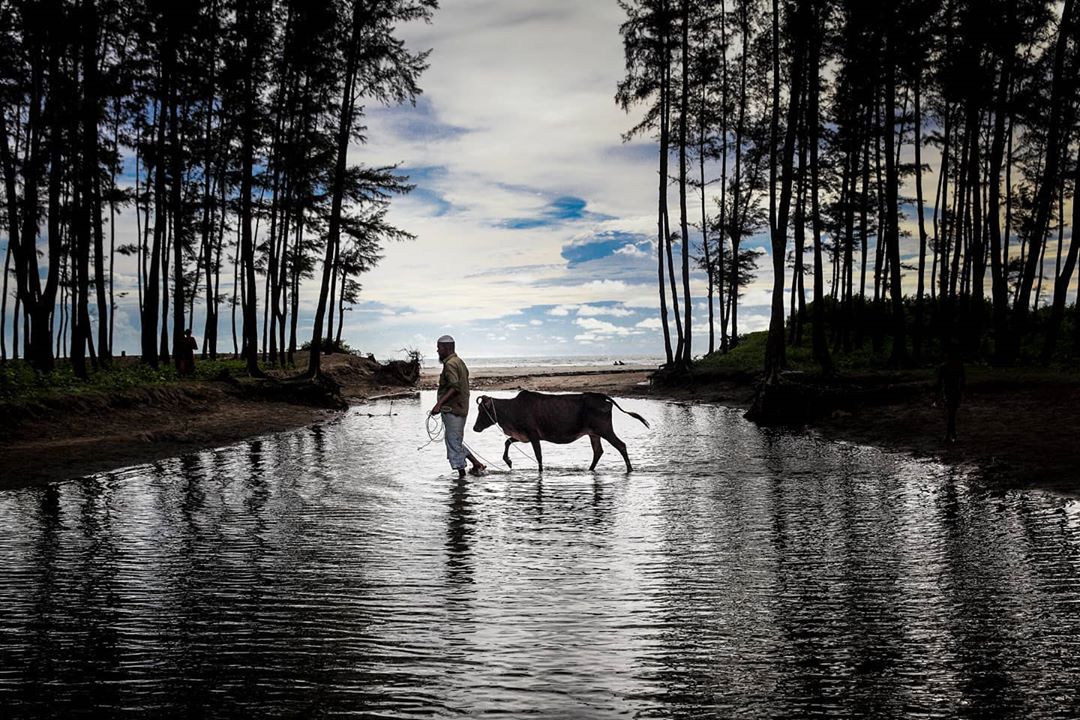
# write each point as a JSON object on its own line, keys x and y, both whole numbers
{"x": 836, "y": 113}
{"x": 223, "y": 127}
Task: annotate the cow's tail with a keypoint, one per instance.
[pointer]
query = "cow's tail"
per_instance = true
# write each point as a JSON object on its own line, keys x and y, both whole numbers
{"x": 631, "y": 414}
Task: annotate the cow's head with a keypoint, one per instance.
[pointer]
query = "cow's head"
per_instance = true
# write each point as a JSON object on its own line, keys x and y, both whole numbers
{"x": 486, "y": 416}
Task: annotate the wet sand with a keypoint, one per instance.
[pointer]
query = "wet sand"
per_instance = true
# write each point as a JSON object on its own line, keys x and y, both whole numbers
{"x": 94, "y": 437}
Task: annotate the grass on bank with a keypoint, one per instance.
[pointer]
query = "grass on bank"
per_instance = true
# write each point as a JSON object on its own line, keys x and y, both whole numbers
{"x": 19, "y": 382}
{"x": 747, "y": 359}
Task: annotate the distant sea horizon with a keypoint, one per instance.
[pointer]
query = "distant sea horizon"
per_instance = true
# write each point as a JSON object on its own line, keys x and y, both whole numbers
{"x": 554, "y": 361}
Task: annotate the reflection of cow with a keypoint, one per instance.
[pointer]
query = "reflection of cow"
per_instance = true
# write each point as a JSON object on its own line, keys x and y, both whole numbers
{"x": 532, "y": 417}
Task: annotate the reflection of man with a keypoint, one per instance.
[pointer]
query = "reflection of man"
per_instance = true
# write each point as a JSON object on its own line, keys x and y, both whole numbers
{"x": 951, "y": 380}
{"x": 453, "y": 405}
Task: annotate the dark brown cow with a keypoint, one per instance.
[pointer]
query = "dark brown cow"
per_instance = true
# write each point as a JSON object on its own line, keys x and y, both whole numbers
{"x": 532, "y": 417}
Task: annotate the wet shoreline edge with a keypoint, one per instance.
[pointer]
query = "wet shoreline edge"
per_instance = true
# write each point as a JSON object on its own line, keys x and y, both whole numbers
{"x": 206, "y": 417}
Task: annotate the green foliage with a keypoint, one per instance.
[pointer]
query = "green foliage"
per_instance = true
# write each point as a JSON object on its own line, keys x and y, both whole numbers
{"x": 331, "y": 346}
{"x": 748, "y": 357}
{"x": 19, "y": 382}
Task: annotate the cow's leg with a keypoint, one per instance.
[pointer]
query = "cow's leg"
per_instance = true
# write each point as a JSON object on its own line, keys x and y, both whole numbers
{"x": 506, "y": 453}
{"x": 597, "y": 450}
{"x": 619, "y": 445}
{"x": 536, "y": 450}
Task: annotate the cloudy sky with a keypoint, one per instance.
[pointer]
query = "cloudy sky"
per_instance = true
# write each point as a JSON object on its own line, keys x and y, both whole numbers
{"x": 535, "y": 224}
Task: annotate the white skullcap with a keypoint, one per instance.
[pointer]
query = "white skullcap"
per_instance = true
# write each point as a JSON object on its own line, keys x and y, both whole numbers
{"x": 446, "y": 339}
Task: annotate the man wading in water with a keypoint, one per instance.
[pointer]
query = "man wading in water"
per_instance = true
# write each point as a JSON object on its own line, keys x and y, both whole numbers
{"x": 453, "y": 404}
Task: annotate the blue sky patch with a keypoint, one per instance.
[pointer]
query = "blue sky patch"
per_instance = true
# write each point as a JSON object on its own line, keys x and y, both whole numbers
{"x": 603, "y": 245}
{"x": 565, "y": 208}
{"x": 578, "y": 254}
{"x": 420, "y": 123}
{"x": 424, "y": 177}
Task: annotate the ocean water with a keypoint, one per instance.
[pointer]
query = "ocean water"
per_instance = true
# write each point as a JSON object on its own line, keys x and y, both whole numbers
{"x": 554, "y": 361}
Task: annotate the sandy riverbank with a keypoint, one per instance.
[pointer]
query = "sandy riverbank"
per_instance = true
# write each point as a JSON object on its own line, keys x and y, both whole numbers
{"x": 1012, "y": 434}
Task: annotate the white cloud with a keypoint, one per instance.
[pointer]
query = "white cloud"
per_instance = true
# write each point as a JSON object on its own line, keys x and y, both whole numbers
{"x": 632, "y": 251}
{"x": 593, "y": 310}
{"x": 601, "y": 327}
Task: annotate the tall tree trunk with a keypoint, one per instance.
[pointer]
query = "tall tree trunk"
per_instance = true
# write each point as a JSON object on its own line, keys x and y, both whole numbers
{"x": 92, "y": 190}
{"x": 999, "y": 287}
{"x": 974, "y": 260}
{"x": 709, "y": 268}
{"x": 892, "y": 183}
{"x": 920, "y": 289}
{"x": 112, "y": 228}
{"x": 864, "y": 206}
{"x": 1046, "y": 184}
{"x": 150, "y": 296}
{"x": 3, "y": 302}
{"x": 843, "y": 327}
{"x": 11, "y": 206}
{"x": 248, "y": 11}
{"x": 16, "y": 313}
{"x": 666, "y": 133}
{"x": 721, "y": 239}
{"x": 295, "y": 280}
{"x": 661, "y": 235}
{"x": 1064, "y": 277}
{"x": 1006, "y": 233}
{"x": 774, "y": 111}
{"x": 37, "y": 304}
{"x": 774, "y": 349}
{"x": 821, "y": 347}
{"x": 736, "y": 227}
{"x": 332, "y": 297}
{"x": 799, "y": 303}
{"x": 163, "y": 351}
{"x": 881, "y": 239}
{"x": 960, "y": 226}
{"x": 341, "y": 308}
{"x": 337, "y": 189}
{"x": 684, "y": 112}
{"x": 209, "y": 341}
{"x": 942, "y": 255}
{"x": 176, "y": 211}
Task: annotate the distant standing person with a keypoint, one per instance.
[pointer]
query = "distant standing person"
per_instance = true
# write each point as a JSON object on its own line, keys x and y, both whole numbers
{"x": 951, "y": 382}
{"x": 186, "y": 351}
{"x": 453, "y": 404}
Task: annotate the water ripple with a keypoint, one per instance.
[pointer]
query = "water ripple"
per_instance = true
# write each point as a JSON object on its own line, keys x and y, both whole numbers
{"x": 738, "y": 572}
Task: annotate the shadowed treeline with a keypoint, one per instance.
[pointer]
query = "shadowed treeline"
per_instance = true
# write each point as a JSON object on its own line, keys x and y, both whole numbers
{"x": 812, "y": 118}
{"x": 223, "y": 127}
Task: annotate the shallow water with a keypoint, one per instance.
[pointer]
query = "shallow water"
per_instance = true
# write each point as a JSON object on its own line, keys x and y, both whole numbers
{"x": 738, "y": 572}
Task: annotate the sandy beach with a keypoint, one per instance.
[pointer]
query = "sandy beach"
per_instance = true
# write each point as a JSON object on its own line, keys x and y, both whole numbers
{"x": 571, "y": 378}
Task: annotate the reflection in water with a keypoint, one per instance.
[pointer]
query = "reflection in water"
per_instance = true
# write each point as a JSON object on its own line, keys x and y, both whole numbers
{"x": 459, "y": 528}
{"x": 737, "y": 572}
